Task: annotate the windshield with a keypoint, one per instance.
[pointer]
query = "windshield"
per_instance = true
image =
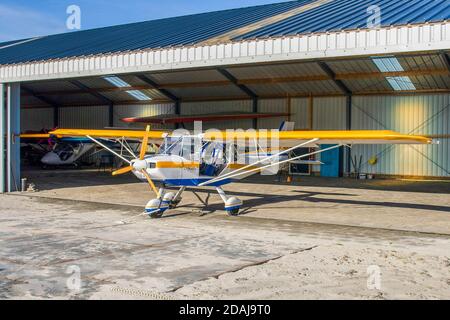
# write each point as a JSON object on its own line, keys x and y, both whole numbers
{"x": 180, "y": 146}
{"x": 171, "y": 146}
{"x": 64, "y": 151}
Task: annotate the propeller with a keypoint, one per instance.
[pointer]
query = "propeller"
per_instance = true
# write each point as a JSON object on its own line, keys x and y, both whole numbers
{"x": 123, "y": 170}
{"x": 142, "y": 154}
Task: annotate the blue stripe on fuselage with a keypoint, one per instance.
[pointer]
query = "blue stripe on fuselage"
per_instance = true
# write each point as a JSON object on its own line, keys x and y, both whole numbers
{"x": 75, "y": 140}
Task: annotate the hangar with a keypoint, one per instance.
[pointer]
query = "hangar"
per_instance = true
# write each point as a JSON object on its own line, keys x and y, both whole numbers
{"x": 328, "y": 63}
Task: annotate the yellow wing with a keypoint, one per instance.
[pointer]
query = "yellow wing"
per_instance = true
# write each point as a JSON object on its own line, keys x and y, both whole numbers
{"x": 130, "y": 134}
{"x": 292, "y": 138}
{"x": 34, "y": 136}
{"x": 287, "y": 138}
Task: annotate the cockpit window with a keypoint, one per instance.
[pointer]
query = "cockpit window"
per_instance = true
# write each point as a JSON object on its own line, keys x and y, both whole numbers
{"x": 171, "y": 146}
{"x": 64, "y": 151}
{"x": 182, "y": 146}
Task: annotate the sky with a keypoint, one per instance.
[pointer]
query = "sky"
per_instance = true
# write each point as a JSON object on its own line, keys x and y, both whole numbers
{"x": 20, "y": 19}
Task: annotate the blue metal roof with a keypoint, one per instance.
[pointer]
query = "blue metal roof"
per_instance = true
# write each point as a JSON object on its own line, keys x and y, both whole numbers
{"x": 352, "y": 14}
{"x": 8, "y": 43}
{"x": 168, "y": 32}
{"x": 187, "y": 30}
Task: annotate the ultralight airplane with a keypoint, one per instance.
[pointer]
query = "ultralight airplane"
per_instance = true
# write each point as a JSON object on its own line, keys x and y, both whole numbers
{"x": 66, "y": 151}
{"x": 209, "y": 158}
{"x": 56, "y": 152}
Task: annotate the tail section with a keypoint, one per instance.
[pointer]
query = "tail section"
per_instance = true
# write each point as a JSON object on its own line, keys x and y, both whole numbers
{"x": 287, "y": 126}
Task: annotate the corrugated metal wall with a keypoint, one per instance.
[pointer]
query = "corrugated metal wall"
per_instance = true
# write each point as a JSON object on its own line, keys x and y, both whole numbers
{"x": 94, "y": 117}
{"x": 269, "y": 106}
{"x": 300, "y": 113}
{"x": 418, "y": 114}
{"x": 329, "y": 113}
{"x": 123, "y": 111}
{"x": 191, "y": 108}
{"x": 84, "y": 117}
{"x": 36, "y": 119}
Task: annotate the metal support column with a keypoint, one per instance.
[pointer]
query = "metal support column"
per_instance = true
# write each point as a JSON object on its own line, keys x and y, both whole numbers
{"x": 13, "y": 137}
{"x": 178, "y": 112}
{"x": 2, "y": 139}
{"x": 55, "y": 117}
{"x": 349, "y": 127}
{"x": 111, "y": 115}
{"x": 348, "y": 93}
{"x": 255, "y": 110}
{"x": 244, "y": 89}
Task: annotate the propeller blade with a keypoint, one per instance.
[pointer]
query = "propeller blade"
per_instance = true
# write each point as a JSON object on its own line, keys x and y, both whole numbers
{"x": 144, "y": 144}
{"x": 122, "y": 170}
{"x": 150, "y": 182}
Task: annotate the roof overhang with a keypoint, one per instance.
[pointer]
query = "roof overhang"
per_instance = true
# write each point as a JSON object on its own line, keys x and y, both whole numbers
{"x": 350, "y": 43}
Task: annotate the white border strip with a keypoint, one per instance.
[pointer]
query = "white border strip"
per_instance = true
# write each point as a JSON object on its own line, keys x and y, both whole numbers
{"x": 402, "y": 39}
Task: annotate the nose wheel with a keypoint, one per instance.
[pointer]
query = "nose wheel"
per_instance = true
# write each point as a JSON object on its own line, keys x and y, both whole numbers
{"x": 155, "y": 208}
{"x": 156, "y": 215}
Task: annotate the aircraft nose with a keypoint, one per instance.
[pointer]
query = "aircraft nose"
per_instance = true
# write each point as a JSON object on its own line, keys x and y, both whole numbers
{"x": 139, "y": 165}
{"x": 50, "y": 158}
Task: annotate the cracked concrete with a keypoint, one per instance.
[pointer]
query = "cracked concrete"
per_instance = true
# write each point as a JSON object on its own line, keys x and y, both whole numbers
{"x": 191, "y": 255}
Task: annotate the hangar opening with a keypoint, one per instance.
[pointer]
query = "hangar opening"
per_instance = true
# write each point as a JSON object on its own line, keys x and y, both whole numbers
{"x": 320, "y": 69}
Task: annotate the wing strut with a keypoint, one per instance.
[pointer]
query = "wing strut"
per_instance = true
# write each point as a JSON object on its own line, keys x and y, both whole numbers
{"x": 225, "y": 176}
{"x": 110, "y": 150}
{"x": 268, "y": 166}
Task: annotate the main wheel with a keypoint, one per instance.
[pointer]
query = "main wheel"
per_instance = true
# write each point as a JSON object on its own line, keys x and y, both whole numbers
{"x": 174, "y": 204}
{"x": 233, "y": 213}
{"x": 156, "y": 215}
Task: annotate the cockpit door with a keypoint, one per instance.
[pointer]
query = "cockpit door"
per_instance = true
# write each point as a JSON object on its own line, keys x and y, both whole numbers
{"x": 190, "y": 157}
{"x": 212, "y": 159}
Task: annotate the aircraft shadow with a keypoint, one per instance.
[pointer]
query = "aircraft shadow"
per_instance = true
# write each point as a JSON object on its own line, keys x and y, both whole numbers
{"x": 257, "y": 200}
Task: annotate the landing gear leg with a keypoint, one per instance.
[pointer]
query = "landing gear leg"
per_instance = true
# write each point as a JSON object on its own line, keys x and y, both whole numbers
{"x": 175, "y": 201}
{"x": 232, "y": 204}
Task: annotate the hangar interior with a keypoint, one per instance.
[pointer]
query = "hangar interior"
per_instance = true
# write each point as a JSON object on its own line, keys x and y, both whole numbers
{"x": 395, "y": 77}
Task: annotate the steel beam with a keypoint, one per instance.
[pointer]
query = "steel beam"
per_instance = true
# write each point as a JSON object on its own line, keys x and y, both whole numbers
{"x": 13, "y": 138}
{"x": 235, "y": 81}
{"x": 155, "y": 86}
{"x": 330, "y": 73}
{"x": 349, "y": 127}
{"x": 348, "y": 93}
{"x": 244, "y": 89}
{"x": 55, "y": 117}
{"x": 2, "y": 139}
{"x": 446, "y": 59}
{"x": 111, "y": 115}
{"x": 255, "y": 109}
{"x": 40, "y": 96}
{"x": 91, "y": 92}
{"x": 163, "y": 88}
{"x": 165, "y": 92}
{"x": 100, "y": 97}
{"x": 46, "y": 100}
